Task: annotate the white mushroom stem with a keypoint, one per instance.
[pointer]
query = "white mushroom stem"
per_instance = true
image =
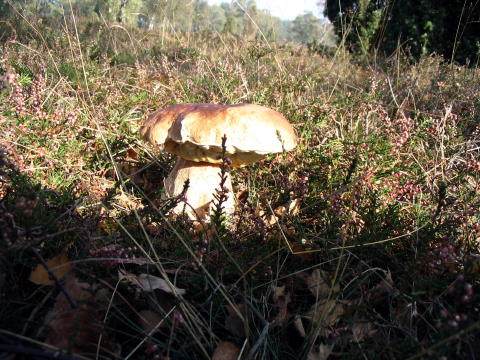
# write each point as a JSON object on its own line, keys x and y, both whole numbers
{"x": 204, "y": 183}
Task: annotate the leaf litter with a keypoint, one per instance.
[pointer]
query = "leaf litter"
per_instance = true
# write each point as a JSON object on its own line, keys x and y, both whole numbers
{"x": 59, "y": 265}
{"x": 80, "y": 330}
{"x": 147, "y": 282}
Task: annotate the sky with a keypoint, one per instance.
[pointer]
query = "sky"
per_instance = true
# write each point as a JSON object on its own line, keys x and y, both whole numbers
{"x": 284, "y": 9}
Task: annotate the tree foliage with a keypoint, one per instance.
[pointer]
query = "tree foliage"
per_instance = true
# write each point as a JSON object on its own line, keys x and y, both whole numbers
{"x": 307, "y": 29}
{"x": 447, "y": 27}
{"x": 243, "y": 18}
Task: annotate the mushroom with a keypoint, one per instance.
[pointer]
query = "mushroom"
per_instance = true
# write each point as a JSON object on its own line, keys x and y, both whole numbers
{"x": 194, "y": 133}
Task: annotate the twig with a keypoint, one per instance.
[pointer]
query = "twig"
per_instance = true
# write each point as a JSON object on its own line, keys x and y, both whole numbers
{"x": 49, "y": 236}
{"x": 52, "y": 276}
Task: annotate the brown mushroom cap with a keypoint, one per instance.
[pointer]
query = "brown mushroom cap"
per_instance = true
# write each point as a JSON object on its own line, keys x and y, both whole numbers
{"x": 194, "y": 132}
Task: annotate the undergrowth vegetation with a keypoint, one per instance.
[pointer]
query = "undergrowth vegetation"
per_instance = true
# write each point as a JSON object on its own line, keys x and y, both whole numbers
{"x": 363, "y": 242}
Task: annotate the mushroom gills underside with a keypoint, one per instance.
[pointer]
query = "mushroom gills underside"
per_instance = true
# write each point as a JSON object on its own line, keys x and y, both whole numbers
{"x": 212, "y": 153}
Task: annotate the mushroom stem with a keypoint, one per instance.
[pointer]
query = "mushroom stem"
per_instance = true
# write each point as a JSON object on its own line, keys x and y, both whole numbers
{"x": 204, "y": 184}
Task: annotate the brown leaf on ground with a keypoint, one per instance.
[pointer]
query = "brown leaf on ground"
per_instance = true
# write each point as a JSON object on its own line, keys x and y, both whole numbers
{"x": 294, "y": 207}
{"x": 80, "y": 330}
{"x": 150, "y": 321}
{"x": 301, "y": 251}
{"x": 242, "y": 196}
{"x": 233, "y": 322}
{"x": 59, "y": 265}
{"x": 128, "y": 201}
{"x": 383, "y": 287}
{"x": 226, "y": 350}
{"x": 322, "y": 353}
{"x": 148, "y": 282}
{"x": 326, "y": 312}
{"x": 361, "y": 330}
{"x": 271, "y": 220}
{"x": 132, "y": 154}
{"x": 280, "y": 211}
{"x": 319, "y": 284}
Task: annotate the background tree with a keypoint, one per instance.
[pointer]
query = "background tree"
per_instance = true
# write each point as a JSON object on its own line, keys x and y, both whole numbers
{"x": 216, "y": 18}
{"x": 250, "y": 19}
{"x": 6, "y": 29}
{"x": 447, "y": 27}
{"x": 307, "y": 29}
{"x": 241, "y": 18}
{"x": 272, "y": 27}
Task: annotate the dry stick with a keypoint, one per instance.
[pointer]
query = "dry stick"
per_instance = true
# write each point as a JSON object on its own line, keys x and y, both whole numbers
{"x": 49, "y": 236}
{"x": 53, "y": 277}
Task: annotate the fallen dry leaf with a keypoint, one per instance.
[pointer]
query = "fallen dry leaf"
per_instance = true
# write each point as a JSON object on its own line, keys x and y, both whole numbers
{"x": 132, "y": 154}
{"x": 280, "y": 211}
{"x": 269, "y": 218}
{"x": 226, "y": 350}
{"x": 150, "y": 321}
{"x": 58, "y": 265}
{"x": 128, "y": 202}
{"x": 320, "y": 287}
{"x": 361, "y": 330}
{"x": 80, "y": 329}
{"x": 294, "y": 207}
{"x": 242, "y": 196}
{"x": 383, "y": 287}
{"x": 322, "y": 353}
{"x": 326, "y": 312}
{"x": 148, "y": 282}
{"x": 304, "y": 253}
{"x": 233, "y": 322}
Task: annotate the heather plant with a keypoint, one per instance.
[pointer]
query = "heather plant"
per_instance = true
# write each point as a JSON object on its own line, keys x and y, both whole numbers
{"x": 363, "y": 239}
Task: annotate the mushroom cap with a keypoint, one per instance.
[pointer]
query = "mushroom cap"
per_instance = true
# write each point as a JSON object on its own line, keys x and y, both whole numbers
{"x": 194, "y": 132}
